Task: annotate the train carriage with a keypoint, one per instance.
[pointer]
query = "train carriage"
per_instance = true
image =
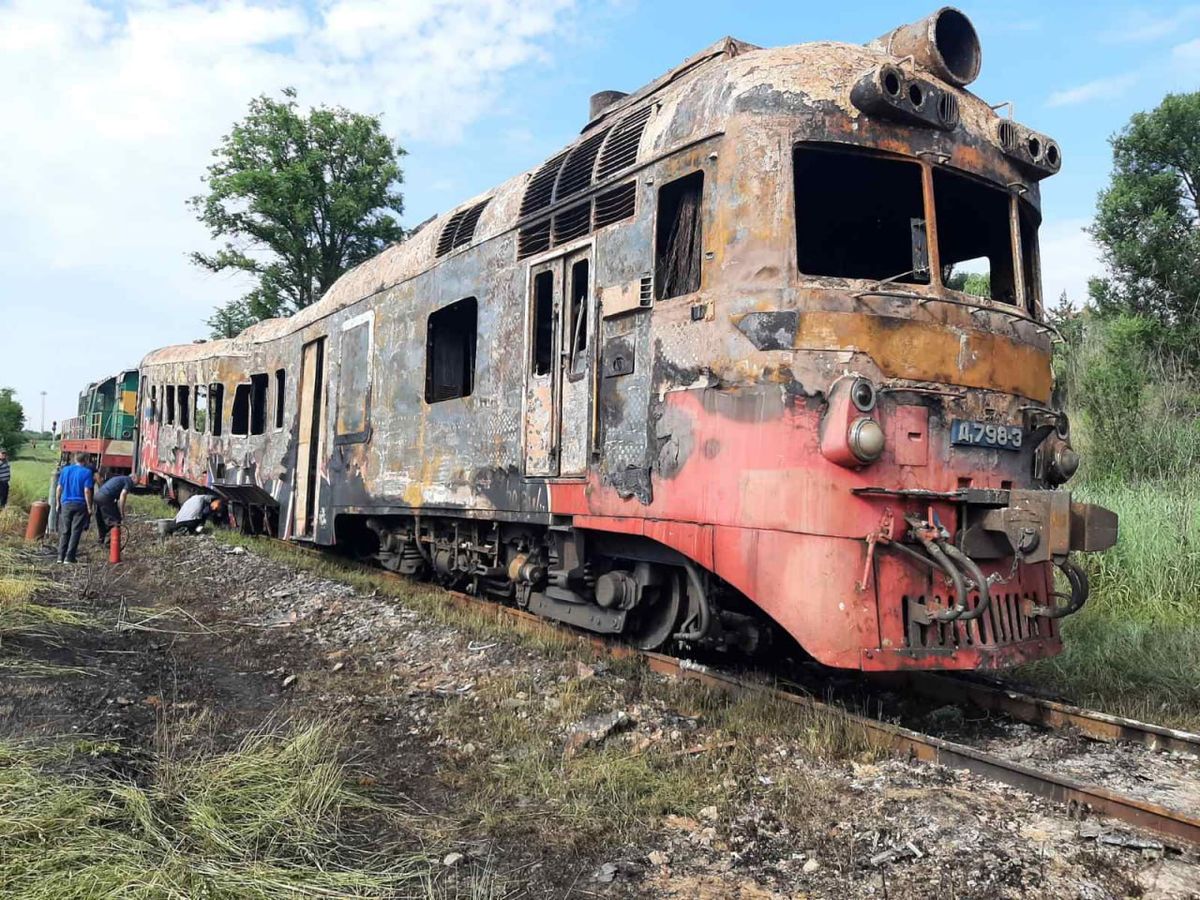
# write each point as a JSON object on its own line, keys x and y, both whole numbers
{"x": 704, "y": 369}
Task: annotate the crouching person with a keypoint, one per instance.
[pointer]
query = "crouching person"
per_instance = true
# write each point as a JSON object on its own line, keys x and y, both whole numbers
{"x": 196, "y": 510}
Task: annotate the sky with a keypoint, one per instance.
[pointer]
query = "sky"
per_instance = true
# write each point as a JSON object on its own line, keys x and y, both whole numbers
{"x": 111, "y": 110}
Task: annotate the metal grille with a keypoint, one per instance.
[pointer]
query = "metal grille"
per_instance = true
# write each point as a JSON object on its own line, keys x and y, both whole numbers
{"x": 620, "y": 150}
{"x": 533, "y": 239}
{"x": 576, "y": 172}
{"x": 616, "y": 204}
{"x": 540, "y": 192}
{"x": 573, "y": 222}
{"x": 1003, "y": 623}
{"x": 460, "y": 229}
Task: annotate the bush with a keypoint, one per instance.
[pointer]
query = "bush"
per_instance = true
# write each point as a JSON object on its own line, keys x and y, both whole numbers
{"x": 1128, "y": 383}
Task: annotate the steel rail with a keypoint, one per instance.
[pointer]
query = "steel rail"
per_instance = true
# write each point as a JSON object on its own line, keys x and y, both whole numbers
{"x": 1079, "y": 797}
{"x": 1053, "y": 714}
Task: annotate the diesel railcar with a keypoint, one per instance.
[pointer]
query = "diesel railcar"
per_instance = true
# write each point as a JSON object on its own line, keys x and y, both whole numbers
{"x": 106, "y": 425}
{"x": 706, "y": 368}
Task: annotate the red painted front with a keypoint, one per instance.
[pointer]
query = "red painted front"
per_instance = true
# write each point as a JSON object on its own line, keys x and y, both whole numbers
{"x": 755, "y": 502}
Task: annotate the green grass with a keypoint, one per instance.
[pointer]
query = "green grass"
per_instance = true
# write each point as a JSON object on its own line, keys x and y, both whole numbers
{"x": 1135, "y": 648}
{"x": 31, "y": 471}
{"x": 269, "y": 820}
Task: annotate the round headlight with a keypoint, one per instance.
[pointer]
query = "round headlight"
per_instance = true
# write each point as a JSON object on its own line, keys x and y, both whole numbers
{"x": 862, "y": 394}
{"x": 865, "y": 439}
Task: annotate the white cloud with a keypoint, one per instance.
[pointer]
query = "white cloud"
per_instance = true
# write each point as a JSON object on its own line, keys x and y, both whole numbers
{"x": 1140, "y": 26}
{"x": 1069, "y": 258}
{"x": 111, "y": 112}
{"x": 1099, "y": 89}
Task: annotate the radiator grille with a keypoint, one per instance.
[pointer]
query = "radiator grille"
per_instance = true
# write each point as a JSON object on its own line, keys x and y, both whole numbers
{"x": 1003, "y": 623}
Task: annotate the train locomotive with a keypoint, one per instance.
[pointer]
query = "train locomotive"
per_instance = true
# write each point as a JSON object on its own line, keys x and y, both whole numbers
{"x": 106, "y": 424}
{"x": 705, "y": 373}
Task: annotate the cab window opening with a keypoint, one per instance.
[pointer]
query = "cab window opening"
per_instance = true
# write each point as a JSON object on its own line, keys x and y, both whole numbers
{"x": 859, "y": 215}
{"x": 973, "y": 224}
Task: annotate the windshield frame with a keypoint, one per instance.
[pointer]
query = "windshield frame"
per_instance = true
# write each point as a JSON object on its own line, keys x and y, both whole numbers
{"x": 1026, "y": 271}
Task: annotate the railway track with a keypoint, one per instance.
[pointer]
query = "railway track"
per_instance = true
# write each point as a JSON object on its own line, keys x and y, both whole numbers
{"x": 1081, "y": 798}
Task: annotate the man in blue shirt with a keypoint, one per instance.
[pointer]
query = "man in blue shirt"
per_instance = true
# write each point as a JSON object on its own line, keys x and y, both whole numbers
{"x": 74, "y": 497}
{"x": 110, "y": 504}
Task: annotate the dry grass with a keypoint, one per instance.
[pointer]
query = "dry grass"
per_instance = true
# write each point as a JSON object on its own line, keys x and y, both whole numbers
{"x": 269, "y": 820}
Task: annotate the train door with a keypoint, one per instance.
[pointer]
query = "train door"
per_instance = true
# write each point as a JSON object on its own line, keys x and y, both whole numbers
{"x": 542, "y": 379}
{"x": 561, "y": 366}
{"x": 309, "y": 438}
{"x": 577, "y": 358}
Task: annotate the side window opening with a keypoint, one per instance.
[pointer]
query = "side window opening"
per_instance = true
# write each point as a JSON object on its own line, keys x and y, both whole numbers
{"x": 354, "y": 380}
{"x": 258, "y": 403}
{"x": 216, "y": 407}
{"x": 280, "y": 395}
{"x": 543, "y": 322}
{"x": 240, "y": 423}
{"x": 858, "y": 215}
{"x": 185, "y": 407}
{"x": 200, "y": 407}
{"x": 579, "y": 315}
{"x": 450, "y": 351}
{"x": 973, "y": 224}
{"x": 170, "y": 404}
{"x": 678, "y": 236}
{"x": 153, "y": 402}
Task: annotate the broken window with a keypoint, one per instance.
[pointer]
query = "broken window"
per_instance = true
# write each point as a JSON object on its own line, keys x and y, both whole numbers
{"x": 216, "y": 407}
{"x": 858, "y": 215}
{"x": 280, "y": 394}
{"x": 678, "y": 236}
{"x": 1030, "y": 256}
{"x": 543, "y": 322}
{"x": 240, "y": 423}
{"x": 354, "y": 380}
{"x": 578, "y": 323}
{"x": 450, "y": 351}
{"x": 185, "y": 407}
{"x": 258, "y": 403}
{"x": 200, "y": 407}
{"x": 973, "y": 225}
{"x": 153, "y": 402}
{"x": 170, "y": 404}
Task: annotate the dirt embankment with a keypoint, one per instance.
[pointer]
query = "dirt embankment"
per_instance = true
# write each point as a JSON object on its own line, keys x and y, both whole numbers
{"x": 524, "y": 763}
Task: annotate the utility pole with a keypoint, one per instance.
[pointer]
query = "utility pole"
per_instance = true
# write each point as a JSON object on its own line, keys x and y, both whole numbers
{"x": 42, "y": 430}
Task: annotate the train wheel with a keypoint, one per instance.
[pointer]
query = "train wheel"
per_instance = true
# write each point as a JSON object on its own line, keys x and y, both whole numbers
{"x": 660, "y": 618}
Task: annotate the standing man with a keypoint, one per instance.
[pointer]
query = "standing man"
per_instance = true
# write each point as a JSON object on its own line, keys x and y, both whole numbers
{"x": 5, "y": 475}
{"x": 74, "y": 497}
{"x": 110, "y": 504}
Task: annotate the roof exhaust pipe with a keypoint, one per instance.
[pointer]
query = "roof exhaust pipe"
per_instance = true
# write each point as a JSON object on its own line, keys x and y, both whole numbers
{"x": 602, "y": 100}
{"x": 944, "y": 43}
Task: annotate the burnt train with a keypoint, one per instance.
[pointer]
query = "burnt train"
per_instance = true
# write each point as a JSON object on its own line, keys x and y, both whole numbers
{"x": 703, "y": 370}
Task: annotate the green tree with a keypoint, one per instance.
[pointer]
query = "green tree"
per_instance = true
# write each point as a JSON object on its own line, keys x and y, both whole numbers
{"x": 1146, "y": 220}
{"x": 297, "y": 199}
{"x": 12, "y": 422}
{"x": 978, "y": 284}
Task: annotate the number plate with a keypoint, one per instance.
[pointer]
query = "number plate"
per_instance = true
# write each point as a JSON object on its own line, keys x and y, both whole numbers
{"x": 966, "y": 433}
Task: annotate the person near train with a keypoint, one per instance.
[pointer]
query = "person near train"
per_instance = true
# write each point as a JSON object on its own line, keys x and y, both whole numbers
{"x": 5, "y": 476}
{"x": 73, "y": 497}
{"x": 195, "y": 511}
{"x": 110, "y": 505}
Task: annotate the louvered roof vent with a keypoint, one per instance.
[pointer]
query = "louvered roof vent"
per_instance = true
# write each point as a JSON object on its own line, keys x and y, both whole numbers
{"x": 460, "y": 229}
